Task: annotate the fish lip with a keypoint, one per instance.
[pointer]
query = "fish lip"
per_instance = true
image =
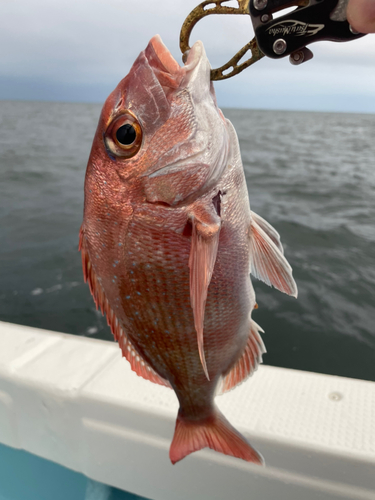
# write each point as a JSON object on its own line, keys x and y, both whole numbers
{"x": 170, "y": 64}
{"x": 194, "y": 56}
{"x": 164, "y": 55}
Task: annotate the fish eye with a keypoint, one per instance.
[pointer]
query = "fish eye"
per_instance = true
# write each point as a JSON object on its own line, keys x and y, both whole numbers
{"x": 124, "y": 135}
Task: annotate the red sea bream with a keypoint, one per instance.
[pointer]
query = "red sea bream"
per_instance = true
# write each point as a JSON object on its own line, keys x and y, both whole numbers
{"x": 168, "y": 241}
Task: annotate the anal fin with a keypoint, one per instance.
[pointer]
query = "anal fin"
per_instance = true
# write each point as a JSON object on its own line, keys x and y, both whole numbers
{"x": 204, "y": 246}
{"x": 137, "y": 363}
{"x": 249, "y": 361}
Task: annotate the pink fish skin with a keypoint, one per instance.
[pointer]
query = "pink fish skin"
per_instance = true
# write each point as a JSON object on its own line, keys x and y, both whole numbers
{"x": 168, "y": 241}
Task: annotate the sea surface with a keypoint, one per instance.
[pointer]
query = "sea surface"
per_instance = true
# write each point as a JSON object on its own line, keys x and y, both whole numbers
{"x": 311, "y": 175}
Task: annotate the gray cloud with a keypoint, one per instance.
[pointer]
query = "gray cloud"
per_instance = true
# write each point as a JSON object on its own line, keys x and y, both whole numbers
{"x": 78, "y": 50}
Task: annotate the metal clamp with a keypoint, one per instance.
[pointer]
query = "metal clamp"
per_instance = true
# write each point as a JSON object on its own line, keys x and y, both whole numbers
{"x": 276, "y": 36}
{"x": 210, "y": 7}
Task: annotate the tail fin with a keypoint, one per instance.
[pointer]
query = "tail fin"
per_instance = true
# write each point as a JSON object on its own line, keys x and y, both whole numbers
{"x": 214, "y": 432}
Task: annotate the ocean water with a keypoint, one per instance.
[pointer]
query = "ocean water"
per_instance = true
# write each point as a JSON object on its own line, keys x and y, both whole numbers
{"x": 24, "y": 476}
{"x": 311, "y": 175}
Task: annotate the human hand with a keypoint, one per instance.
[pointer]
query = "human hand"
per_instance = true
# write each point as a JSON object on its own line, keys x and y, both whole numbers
{"x": 361, "y": 15}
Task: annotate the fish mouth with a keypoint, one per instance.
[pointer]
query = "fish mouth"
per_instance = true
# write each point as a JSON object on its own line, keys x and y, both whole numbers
{"x": 199, "y": 153}
{"x": 170, "y": 74}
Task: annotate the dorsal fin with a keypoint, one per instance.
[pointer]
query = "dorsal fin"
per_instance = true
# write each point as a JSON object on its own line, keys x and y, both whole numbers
{"x": 137, "y": 363}
{"x": 204, "y": 245}
{"x": 249, "y": 361}
{"x": 268, "y": 263}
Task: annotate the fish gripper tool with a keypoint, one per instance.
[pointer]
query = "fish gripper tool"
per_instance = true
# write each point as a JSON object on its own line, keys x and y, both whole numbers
{"x": 282, "y": 28}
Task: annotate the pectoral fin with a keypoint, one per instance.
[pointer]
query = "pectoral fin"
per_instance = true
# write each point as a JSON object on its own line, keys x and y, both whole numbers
{"x": 268, "y": 263}
{"x": 268, "y": 229}
{"x": 204, "y": 245}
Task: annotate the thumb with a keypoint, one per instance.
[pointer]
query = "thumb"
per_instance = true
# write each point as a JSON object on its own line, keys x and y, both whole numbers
{"x": 361, "y": 15}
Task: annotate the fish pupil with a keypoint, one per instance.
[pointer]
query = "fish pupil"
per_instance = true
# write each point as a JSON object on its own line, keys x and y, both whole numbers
{"x": 126, "y": 134}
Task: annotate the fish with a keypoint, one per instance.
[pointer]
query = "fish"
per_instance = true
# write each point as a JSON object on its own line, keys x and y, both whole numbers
{"x": 168, "y": 242}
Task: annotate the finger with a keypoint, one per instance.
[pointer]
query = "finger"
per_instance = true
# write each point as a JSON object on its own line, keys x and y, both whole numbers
{"x": 361, "y": 15}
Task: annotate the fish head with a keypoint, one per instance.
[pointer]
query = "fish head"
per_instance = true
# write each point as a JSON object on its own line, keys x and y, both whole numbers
{"x": 161, "y": 136}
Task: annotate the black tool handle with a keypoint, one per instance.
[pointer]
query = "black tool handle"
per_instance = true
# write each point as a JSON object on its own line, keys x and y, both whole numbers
{"x": 319, "y": 20}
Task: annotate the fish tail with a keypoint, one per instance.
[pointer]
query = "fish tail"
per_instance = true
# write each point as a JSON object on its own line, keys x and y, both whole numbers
{"x": 213, "y": 432}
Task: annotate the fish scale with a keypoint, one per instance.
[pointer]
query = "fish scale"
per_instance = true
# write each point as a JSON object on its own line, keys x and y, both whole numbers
{"x": 169, "y": 253}
{"x": 168, "y": 240}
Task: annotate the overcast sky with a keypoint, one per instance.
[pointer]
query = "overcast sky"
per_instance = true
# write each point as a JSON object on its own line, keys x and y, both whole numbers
{"x": 78, "y": 50}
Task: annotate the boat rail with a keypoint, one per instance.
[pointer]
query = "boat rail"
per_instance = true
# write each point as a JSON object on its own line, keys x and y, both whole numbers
{"x": 75, "y": 401}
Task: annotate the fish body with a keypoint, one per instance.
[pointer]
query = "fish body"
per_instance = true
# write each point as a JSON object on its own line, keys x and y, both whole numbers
{"x": 168, "y": 241}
